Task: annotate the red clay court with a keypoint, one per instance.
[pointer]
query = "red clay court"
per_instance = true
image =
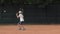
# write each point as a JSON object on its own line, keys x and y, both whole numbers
{"x": 30, "y": 29}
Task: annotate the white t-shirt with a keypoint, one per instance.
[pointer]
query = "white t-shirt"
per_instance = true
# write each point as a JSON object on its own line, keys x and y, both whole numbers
{"x": 21, "y": 17}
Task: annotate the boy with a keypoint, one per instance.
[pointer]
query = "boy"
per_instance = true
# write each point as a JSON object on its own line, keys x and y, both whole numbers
{"x": 21, "y": 17}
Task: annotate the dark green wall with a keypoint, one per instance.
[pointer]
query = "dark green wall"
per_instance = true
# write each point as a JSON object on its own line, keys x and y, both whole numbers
{"x": 10, "y": 15}
{"x": 50, "y": 14}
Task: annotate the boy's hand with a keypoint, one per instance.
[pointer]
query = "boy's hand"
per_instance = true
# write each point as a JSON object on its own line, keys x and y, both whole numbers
{"x": 17, "y": 16}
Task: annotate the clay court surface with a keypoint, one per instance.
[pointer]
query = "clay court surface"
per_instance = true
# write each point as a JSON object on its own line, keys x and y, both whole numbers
{"x": 30, "y": 29}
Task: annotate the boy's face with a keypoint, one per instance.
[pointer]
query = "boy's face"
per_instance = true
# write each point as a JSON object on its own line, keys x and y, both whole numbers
{"x": 20, "y": 12}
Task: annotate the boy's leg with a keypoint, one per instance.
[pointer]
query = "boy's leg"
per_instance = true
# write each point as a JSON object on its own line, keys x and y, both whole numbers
{"x": 19, "y": 25}
{"x": 22, "y": 26}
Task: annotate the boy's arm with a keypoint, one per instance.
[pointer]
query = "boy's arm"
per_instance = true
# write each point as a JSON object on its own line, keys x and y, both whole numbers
{"x": 17, "y": 15}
